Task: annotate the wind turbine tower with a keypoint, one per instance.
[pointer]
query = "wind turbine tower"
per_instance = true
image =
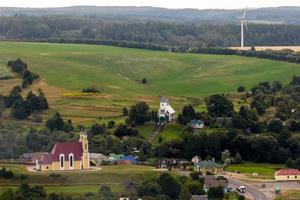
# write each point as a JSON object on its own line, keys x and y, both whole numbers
{"x": 243, "y": 23}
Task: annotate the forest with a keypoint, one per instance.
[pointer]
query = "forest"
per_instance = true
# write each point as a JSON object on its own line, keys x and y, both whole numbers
{"x": 94, "y": 29}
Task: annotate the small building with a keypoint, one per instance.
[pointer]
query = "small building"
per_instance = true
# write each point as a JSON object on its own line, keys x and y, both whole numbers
{"x": 197, "y": 124}
{"x": 208, "y": 166}
{"x": 122, "y": 159}
{"x": 287, "y": 175}
{"x": 196, "y": 159}
{"x": 66, "y": 156}
{"x": 97, "y": 158}
{"x": 166, "y": 113}
{"x": 173, "y": 163}
{"x": 30, "y": 158}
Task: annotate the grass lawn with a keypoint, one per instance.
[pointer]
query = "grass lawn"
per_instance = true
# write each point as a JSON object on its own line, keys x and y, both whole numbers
{"x": 290, "y": 195}
{"x": 264, "y": 171}
{"x": 145, "y": 130}
{"x": 69, "y": 182}
{"x": 170, "y": 133}
{"x": 115, "y": 71}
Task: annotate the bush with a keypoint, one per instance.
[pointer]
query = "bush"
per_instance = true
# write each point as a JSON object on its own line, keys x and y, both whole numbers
{"x": 241, "y": 89}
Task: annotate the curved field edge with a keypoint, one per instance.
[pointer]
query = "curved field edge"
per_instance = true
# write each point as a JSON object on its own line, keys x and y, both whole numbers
{"x": 115, "y": 70}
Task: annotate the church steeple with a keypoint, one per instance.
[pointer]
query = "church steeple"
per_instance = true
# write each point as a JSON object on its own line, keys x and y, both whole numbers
{"x": 84, "y": 140}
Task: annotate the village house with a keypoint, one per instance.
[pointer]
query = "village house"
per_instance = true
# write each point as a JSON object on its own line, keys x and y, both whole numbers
{"x": 287, "y": 175}
{"x": 196, "y": 159}
{"x": 30, "y": 158}
{"x": 66, "y": 156}
{"x": 208, "y": 166}
{"x": 197, "y": 124}
{"x": 166, "y": 113}
{"x": 173, "y": 163}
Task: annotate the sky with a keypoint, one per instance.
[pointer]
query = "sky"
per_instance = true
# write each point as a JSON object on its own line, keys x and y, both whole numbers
{"x": 199, "y": 4}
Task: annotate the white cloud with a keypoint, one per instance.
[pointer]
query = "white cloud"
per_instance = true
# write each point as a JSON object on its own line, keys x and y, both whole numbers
{"x": 157, "y": 3}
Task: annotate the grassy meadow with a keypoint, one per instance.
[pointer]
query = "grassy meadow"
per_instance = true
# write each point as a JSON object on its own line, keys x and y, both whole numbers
{"x": 264, "y": 171}
{"x": 88, "y": 181}
{"x": 184, "y": 78}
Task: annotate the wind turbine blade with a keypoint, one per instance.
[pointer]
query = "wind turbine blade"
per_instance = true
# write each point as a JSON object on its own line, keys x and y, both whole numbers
{"x": 245, "y": 23}
{"x": 245, "y": 12}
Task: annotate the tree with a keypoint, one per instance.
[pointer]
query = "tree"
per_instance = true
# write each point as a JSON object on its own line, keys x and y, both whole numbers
{"x": 290, "y": 163}
{"x": 105, "y": 193}
{"x": 55, "y": 123}
{"x": 188, "y": 112}
{"x": 276, "y": 86}
{"x": 297, "y": 163}
{"x": 111, "y": 124}
{"x": 185, "y": 194}
{"x": 169, "y": 185}
{"x": 237, "y": 158}
{"x": 21, "y": 109}
{"x": 7, "y": 195}
{"x": 215, "y": 193}
{"x": 2, "y": 106}
{"x": 138, "y": 113}
{"x": 125, "y": 112}
{"x": 241, "y": 89}
{"x": 219, "y": 106}
{"x": 144, "y": 81}
{"x": 275, "y": 125}
{"x": 195, "y": 188}
{"x": 225, "y": 155}
{"x": 149, "y": 188}
{"x": 97, "y": 129}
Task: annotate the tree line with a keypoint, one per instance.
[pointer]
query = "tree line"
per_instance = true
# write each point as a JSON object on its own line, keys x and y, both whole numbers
{"x": 142, "y": 34}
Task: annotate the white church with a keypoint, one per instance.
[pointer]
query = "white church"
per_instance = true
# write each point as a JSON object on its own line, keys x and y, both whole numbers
{"x": 166, "y": 112}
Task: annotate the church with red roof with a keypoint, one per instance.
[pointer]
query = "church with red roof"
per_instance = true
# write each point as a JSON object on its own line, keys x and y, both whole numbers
{"x": 66, "y": 156}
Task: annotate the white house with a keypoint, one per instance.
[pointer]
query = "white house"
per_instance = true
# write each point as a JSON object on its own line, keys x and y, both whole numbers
{"x": 165, "y": 110}
{"x": 196, "y": 159}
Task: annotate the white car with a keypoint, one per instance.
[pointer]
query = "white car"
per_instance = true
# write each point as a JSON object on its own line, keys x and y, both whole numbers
{"x": 241, "y": 189}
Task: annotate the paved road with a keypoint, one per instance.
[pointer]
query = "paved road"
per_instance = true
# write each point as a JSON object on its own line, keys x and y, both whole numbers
{"x": 255, "y": 193}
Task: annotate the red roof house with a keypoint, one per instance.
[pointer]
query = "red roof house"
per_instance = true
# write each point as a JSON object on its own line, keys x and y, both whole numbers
{"x": 287, "y": 175}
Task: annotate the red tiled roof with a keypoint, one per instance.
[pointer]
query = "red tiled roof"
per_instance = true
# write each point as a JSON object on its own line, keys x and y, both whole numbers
{"x": 46, "y": 159}
{"x": 66, "y": 149}
{"x": 288, "y": 172}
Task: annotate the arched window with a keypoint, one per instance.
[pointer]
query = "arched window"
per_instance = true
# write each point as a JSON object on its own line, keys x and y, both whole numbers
{"x": 71, "y": 161}
{"x": 62, "y": 161}
{"x": 85, "y": 146}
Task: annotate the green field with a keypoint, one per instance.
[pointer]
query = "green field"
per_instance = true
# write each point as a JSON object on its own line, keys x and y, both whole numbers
{"x": 115, "y": 71}
{"x": 289, "y": 195}
{"x": 264, "y": 171}
{"x": 69, "y": 182}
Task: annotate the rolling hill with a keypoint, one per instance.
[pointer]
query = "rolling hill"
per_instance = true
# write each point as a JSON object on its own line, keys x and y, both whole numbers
{"x": 117, "y": 72}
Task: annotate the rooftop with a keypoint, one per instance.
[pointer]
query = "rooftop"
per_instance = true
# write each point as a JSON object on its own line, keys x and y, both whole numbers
{"x": 209, "y": 164}
{"x": 288, "y": 172}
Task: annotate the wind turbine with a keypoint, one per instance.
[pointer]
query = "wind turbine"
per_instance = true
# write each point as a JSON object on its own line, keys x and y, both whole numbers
{"x": 243, "y": 23}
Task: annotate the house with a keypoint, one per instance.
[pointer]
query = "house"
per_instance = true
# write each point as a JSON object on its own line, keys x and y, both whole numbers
{"x": 66, "y": 156}
{"x": 287, "y": 175}
{"x": 166, "y": 113}
{"x": 122, "y": 159}
{"x": 97, "y": 158}
{"x": 196, "y": 159}
{"x": 212, "y": 181}
{"x": 208, "y": 166}
{"x": 197, "y": 124}
{"x": 173, "y": 163}
{"x": 30, "y": 158}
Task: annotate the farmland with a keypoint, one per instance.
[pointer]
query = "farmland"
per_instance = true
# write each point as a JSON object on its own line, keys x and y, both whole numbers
{"x": 66, "y": 69}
